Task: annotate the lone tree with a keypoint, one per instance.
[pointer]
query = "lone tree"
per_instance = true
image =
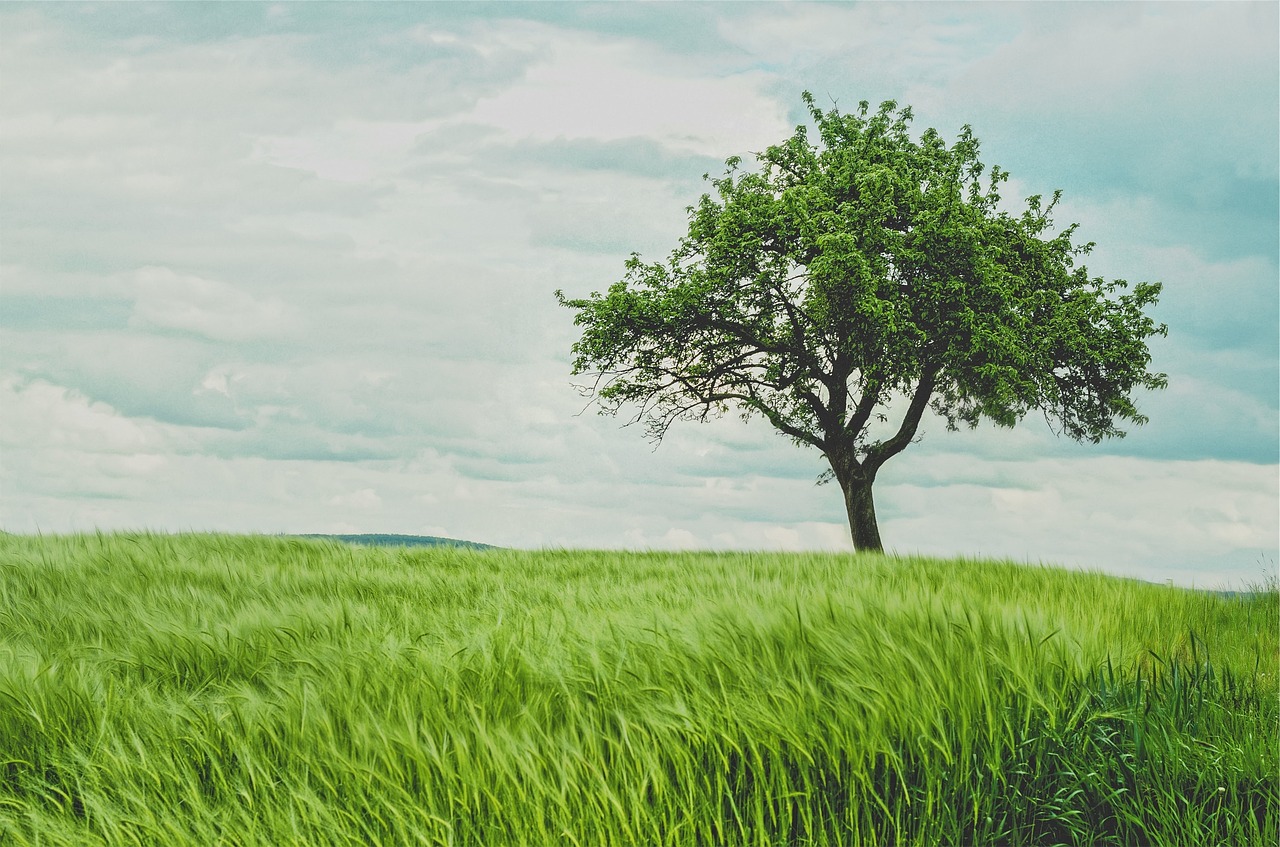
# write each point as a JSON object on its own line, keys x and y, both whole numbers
{"x": 849, "y": 285}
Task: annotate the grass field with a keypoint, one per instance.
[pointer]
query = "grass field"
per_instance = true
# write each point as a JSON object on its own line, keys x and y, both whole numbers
{"x": 206, "y": 690}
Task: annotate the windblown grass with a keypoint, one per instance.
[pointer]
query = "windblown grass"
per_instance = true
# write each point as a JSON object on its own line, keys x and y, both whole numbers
{"x": 202, "y": 690}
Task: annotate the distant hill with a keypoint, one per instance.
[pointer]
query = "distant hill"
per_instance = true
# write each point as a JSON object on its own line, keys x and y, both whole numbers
{"x": 385, "y": 540}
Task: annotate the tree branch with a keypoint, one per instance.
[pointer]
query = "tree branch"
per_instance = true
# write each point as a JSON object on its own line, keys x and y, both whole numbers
{"x": 754, "y": 402}
{"x": 866, "y": 405}
{"x": 886, "y": 450}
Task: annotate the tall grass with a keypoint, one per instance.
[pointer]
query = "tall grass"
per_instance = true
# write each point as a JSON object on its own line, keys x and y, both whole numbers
{"x": 203, "y": 690}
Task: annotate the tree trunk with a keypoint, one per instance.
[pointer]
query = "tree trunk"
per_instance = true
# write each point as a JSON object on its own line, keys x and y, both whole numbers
{"x": 861, "y": 507}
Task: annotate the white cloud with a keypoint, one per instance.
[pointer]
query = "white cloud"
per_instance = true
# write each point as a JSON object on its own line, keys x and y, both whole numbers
{"x": 877, "y": 46}
{"x": 365, "y": 499}
{"x": 56, "y": 445}
{"x": 348, "y": 151}
{"x": 1142, "y": 63}
{"x": 168, "y": 300}
{"x": 608, "y": 89}
{"x": 217, "y": 381}
{"x": 40, "y": 413}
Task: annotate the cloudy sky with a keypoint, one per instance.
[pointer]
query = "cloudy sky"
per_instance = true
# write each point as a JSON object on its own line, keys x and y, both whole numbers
{"x": 289, "y": 268}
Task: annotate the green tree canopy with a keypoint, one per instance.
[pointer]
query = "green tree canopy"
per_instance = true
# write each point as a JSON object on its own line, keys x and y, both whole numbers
{"x": 867, "y": 275}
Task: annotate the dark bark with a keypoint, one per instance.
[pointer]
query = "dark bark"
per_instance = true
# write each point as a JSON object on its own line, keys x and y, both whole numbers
{"x": 855, "y": 479}
{"x": 860, "y": 505}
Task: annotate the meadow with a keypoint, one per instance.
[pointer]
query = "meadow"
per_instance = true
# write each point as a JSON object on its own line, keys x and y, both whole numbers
{"x": 230, "y": 690}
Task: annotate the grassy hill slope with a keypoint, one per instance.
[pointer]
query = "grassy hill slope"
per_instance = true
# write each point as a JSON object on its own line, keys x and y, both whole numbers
{"x": 203, "y": 689}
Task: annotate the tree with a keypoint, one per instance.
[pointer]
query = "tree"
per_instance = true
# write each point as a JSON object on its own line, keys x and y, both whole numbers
{"x": 865, "y": 276}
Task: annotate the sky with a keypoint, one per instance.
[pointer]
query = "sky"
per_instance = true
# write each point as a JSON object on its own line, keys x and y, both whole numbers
{"x": 284, "y": 268}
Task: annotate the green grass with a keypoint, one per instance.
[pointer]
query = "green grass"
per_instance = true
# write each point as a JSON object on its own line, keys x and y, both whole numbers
{"x": 205, "y": 690}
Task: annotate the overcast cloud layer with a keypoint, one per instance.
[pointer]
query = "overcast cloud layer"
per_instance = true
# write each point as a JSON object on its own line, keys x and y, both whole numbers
{"x": 289, "y": 268}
